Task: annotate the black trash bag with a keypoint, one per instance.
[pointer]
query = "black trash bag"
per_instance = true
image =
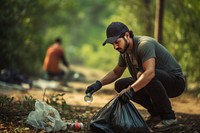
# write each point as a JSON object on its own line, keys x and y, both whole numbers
{"x": 118, "y": 117}
{"x": 14, "y": 76}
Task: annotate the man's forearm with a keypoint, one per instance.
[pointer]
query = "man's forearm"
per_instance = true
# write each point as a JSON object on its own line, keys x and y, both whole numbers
{"x": 142, "y": 81}
{"x": 109, "y": 78}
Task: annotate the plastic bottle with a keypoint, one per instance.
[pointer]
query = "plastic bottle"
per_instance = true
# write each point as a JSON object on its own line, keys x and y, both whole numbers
{"x": 88, "y": 98}
{"x": 76, "y": 126}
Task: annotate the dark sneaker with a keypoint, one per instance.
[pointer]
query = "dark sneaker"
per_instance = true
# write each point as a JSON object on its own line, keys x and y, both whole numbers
{"x": 166, "y": 125}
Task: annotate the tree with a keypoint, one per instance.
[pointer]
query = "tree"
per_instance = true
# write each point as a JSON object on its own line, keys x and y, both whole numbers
{"x": 158, "y": 28}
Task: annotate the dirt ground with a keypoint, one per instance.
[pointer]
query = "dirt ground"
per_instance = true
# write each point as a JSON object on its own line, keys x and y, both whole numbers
{"x": 75, "y": 96}
{"x": 187, "y": 107}
{"x": 75, "y": 93}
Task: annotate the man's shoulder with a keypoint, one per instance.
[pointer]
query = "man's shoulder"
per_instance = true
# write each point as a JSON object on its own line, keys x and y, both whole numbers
{"x": 142, "y": 41}
{"x": 144, "y": 38}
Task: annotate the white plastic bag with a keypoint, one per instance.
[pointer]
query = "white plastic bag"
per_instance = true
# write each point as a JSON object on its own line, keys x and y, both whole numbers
{"x": 45, "y": 117}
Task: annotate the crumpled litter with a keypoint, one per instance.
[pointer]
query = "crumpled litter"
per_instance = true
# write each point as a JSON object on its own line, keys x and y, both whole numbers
{"x": 45, "y": 117}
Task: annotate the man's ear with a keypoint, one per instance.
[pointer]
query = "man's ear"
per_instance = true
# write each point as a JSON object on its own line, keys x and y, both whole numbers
{"x": 126, "y": 36}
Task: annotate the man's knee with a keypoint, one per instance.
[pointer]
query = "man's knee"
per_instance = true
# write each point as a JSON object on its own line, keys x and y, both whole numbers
{"x": 122, "y": 84}
{"x": 118, "y": 86}
{"x": 153, "y": 85}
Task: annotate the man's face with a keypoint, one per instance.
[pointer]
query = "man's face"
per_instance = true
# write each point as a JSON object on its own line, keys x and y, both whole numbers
{"x": 120, "y": 45}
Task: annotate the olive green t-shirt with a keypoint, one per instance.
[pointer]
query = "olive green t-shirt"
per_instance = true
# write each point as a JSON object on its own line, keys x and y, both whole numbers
{"x": 144, "y": 49}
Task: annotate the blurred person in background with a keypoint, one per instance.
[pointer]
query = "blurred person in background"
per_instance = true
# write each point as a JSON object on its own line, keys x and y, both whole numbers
{"x": 156, "y": 76}
{"x": 55, "y": 64}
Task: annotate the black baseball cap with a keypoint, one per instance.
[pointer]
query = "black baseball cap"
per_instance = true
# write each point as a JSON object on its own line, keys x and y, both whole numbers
{"x": 114, "y": 31}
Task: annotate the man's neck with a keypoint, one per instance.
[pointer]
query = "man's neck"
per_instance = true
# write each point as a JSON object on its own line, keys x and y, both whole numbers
{"x": 129, "y": 50}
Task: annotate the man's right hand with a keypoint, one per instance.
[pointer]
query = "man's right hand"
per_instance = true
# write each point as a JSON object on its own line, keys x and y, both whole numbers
{"x": 94, "y": 87}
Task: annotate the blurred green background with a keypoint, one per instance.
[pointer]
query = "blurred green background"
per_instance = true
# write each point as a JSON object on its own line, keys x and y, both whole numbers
{"x": 28, "y": 27}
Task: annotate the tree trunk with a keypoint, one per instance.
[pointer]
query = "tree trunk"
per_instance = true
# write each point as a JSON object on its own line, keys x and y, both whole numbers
{"x": 159, "y": 20}
{"x": 148, "y": 16}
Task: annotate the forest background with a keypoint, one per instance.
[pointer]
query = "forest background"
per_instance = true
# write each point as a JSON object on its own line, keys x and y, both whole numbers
{"x": 28, "y": 27}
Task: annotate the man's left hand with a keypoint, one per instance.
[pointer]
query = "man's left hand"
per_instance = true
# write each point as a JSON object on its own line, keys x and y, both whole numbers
{"x": 126, "y": 94}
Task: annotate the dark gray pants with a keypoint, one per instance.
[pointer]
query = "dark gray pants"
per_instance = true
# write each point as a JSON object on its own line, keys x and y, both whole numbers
{"x": 155, "y": 95}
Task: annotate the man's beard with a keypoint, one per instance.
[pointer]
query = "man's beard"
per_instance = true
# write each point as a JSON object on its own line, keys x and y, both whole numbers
{"x": 126, "y": 47}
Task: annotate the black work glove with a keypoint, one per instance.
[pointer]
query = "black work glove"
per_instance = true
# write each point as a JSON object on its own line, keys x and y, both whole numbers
{"x": 126, "y": 94}
{"x": 94, "y": 87}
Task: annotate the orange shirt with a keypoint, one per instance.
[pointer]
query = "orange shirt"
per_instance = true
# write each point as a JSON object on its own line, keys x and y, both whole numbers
{"x": 52, "y": 58}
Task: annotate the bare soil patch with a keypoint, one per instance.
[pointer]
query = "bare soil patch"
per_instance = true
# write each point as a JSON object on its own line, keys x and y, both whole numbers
{"x": 187, "y": 107}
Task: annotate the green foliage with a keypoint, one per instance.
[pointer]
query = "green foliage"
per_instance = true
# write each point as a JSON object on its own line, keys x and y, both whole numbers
{"x": 58, "y": 101}
{"x": 5, "y": 101}
{"x": 140, "y": 14}
{"x": 21, "y": 35}
{"x": 28, "y": 103}
{"x": 181, "y": 35}
{"x": 29, "y": 27}
{"x": 103, "y": 57}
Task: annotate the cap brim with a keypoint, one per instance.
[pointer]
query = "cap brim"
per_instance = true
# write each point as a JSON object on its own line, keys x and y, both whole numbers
{"x": 111, "y": 40}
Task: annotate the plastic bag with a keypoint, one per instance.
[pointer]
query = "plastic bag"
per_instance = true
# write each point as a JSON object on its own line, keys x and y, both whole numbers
{"x": 117, "y": 117}
{"x": 45, "y": 117}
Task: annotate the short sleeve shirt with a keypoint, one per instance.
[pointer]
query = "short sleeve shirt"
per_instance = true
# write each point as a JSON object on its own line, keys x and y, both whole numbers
{"x": 144, "y": 49}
